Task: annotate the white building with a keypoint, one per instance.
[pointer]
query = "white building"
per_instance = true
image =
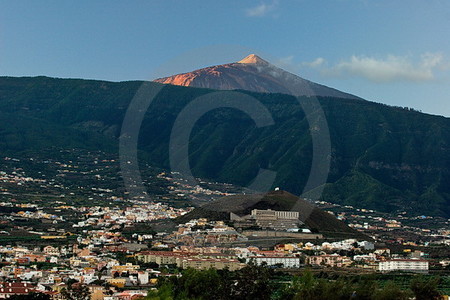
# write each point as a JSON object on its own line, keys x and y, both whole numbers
{"x": 50, "y": 250}
{"x": 143, "y": 277}
{"x": 275, "y": 214}
{"x": 406, "y": 265}
{"x": 366, "y": 245}
{"x": 286, "y": 262}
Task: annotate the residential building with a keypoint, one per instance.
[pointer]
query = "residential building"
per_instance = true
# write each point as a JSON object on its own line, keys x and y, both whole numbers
{"x": 332, "y": 260}
{"x": 405, "y": 265}
{"x": 284, "y": 261}
{"x": 7, "y": 289}
{"x": 208, "y": 263}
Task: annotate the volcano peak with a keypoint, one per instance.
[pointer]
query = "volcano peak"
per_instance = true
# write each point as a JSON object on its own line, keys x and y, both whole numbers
{"x": 253, "y": 59}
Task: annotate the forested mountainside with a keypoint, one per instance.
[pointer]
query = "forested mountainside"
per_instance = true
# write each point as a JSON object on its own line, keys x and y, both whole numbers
{"x": 382, "y": 157}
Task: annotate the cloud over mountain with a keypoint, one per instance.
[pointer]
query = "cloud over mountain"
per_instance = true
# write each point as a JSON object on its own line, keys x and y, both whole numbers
{"x": 261, "y": 10}
{"x": 391, "y": 68}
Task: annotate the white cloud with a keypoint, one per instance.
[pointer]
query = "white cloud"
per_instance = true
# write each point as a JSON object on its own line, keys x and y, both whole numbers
{"x": 261, "y": 10}
{"x": 389, "y": 69}
{"x": 285, "y": 61}
{"x": 315, "y": 63}
{"x": 431, "y": 60}
{"x": 288, "y": 63}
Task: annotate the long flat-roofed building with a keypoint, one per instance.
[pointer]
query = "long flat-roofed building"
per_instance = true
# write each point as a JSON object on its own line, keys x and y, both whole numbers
{"x": 284, "y": 261}
{"x": 268, "y": 219}
{"x": 260, "y": 214}
{"x": 405, "y": 265}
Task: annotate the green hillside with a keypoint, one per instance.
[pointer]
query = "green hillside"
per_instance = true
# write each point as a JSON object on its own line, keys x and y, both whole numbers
{"x": 382, "y": 157}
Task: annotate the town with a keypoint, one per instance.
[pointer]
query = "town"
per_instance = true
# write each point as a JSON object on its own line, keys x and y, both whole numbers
{"x": 121, "y": 249}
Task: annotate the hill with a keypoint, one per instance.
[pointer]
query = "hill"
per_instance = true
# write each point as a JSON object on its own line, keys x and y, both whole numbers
{"x": 314, "y": 218}
{"x": 383, "y": 158}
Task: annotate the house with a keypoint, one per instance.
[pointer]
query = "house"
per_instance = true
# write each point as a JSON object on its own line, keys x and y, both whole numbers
{"x": 383, "y": 251}
{"x": 118, "y": 282}
{"x": 51, "y": 251}
{"x": 128, "y": 267}
{"x": 97, "y": 292}
{"x": 332, "y": 260}
{"x": 143, "y": 277}
{"x": 131, "y": 295}
{"x": 8, "y": 289}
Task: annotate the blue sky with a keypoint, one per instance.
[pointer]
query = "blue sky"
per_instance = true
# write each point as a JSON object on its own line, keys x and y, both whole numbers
{"x": 395, "y": 52}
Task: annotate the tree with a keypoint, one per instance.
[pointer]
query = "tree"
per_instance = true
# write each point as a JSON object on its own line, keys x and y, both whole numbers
{"x": 31, "y": 296}
{"x": 365, "y": 288}
{"x": 193, "y": 284}
{"x": 164, "y": 292}
{"x": 198, "y": 284}
{"x": 76, "y": 291}
{"x": 252, "y": 282}
{"x": 425, "y": 289}
{"x": 307, "y": 287}
{"x": 391, "y": 291}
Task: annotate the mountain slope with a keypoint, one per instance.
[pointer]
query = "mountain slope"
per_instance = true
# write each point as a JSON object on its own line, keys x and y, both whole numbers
{"x": 252, "y": 74}
{"x": 314, "y": 218}
{"x": 384, "y": 158}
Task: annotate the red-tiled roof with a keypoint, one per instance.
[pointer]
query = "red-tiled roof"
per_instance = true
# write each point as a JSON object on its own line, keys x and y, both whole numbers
{"x": 13, "y": 288}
